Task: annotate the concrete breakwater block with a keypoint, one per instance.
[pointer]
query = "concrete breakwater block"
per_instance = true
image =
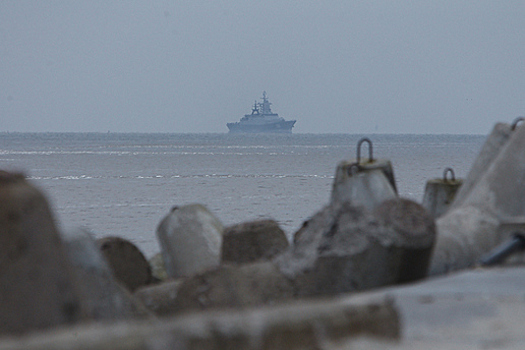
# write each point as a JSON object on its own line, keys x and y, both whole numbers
{"x": 440, "y": 193}
{"x": 323, "y": 324}
{"x": 190, "y": 238}
{"x": 414, "y": 234}
{"x": 475, "y": 309}
{"x": 127, "y": 262}
{"x": 102, "y": 297}
{"x": 36, "y": 280}
{"x": 492, "y": 146}
{"x": 253, "y": 241}
{"x": 228, "y": 286}
{"x": 158, "y": 269}
{"x": 344, "y": 248}
{"x": 361, "y": 186}
{"x": 366, "y": 182}
{"x": 160, "y": 298}
{"x": 488, "y": 215}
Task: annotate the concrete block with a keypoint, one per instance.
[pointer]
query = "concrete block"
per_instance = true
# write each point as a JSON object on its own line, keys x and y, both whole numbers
{"x": 158, "y": 269}
{"x": 37, "y": 289}
{"x": 102, "y": 297}
{"x": 127, "y": 262}
{"x": 345, "y": 248}
{"x": 253, "y": 241}
{"x": 364, "y": 185}
{"x": 190, "y": 238}
{"x": 230, "y": 286}
{"x": 475, "y": 309}
{"x": 488, "y": 215}
{"x": 440, "y": 193}
{"x": 323, "y": 324}
{"x": 160, "y": 298}
{"x": 414, "y": 233}
{"x": 359, "y": 181}
{"x": 494, "y": 143}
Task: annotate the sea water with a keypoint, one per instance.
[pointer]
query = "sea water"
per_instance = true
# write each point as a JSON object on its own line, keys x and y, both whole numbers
{"x": 124, "y": 184}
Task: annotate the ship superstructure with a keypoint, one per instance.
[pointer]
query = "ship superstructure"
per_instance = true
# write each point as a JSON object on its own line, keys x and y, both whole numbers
{"x": 262, "y": 120}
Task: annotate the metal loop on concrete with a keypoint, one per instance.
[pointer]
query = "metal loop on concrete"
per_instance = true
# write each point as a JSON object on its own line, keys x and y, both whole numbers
{"x": 354, "y": 168}
{"x": 453, "y": 177}
{"x": 370, "y": 152}
{"x": 515, "y": 122}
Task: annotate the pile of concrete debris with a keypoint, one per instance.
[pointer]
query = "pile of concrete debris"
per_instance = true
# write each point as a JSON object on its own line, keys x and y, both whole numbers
{"x": 248, "y": 287}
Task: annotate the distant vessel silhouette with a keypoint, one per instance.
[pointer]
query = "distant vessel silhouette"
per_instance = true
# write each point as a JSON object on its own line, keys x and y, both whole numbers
{"x": 261, "y": 120}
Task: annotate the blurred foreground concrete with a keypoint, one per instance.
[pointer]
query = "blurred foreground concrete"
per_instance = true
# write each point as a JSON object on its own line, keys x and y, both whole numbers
{"x": 474, "y": 309}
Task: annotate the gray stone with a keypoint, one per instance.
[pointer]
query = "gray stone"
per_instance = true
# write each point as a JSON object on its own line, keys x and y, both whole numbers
{"x": 190, "y": 238}
{"x": 345, "y": 248}
{"x": 253, "y": 241}
{"x": 37, "y": 288}
{"x": 102, "y": 297}
{"x": 127, "y": 262}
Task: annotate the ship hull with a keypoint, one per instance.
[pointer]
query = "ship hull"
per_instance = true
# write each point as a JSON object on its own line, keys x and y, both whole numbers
{"x": 282, "y": 127}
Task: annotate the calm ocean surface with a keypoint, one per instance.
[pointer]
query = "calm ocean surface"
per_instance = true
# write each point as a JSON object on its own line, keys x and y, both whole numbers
{"x": 124, "y": 184}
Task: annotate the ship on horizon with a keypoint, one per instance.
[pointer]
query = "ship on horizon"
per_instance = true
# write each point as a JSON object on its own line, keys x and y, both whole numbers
{"x": 262, "y": 120}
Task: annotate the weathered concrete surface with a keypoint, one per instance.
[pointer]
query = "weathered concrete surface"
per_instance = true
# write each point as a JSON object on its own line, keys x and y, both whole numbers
{"x": 439, "y": 195}
{"x": 335, "y": 252}
{"x": 37, "y": 290}
{"x": 464, "y": 235}
{"x": 190, "y": 238}
{"x": 102, "y": 297}
{"x": 228, "y": 286}
{"x": 488, "y": 215}
{"x": 158, "y": 269}
{"x": 342, "y": 249}
{"x": 475, "y": 309}
{"x": 346, "y": 248}
{"x": 127, "y": 262}
{"x": 160, "y": 298}
{"x": 252, "y": 241}
{"x": 308, "y": 325}
{"x": 413, "y": 232}
{"x": 489, "y": 151}
{"x": 500, "y": 189}
{"x": 366, "y": 184}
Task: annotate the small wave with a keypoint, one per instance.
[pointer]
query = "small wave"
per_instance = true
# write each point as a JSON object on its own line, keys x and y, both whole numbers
{"x": 195, "y": 176}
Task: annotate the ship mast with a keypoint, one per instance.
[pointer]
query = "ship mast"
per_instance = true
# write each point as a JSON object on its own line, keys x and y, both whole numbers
{"x": 265, "y": 105}
{"x": 255, "y": 109}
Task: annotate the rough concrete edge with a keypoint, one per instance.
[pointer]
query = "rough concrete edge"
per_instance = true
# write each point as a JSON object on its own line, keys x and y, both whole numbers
{"x": 341, "y": 319}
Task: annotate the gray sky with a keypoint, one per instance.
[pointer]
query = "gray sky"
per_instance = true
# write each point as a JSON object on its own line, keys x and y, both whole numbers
{"x": 338, "y": 66}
